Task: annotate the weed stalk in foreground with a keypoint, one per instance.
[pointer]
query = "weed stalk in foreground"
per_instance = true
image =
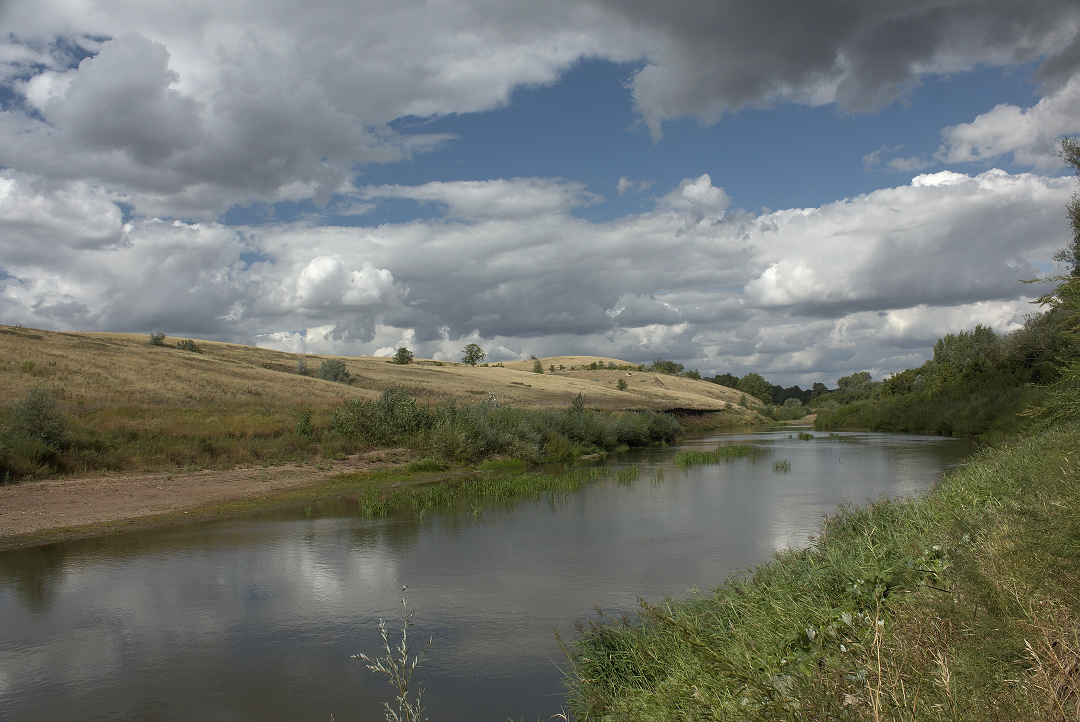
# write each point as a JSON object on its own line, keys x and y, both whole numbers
{"x": 398, "y": 668}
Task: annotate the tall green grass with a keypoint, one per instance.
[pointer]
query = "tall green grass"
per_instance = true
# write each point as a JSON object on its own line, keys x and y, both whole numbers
{"x": 686, "y": 459}
{"x": 476, "y": 492}
{"x": 963, "y": 604}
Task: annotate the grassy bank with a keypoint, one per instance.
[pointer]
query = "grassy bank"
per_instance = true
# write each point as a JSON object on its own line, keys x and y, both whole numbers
{"x": 39, "y": 439}
{"x": 960, "y": 605}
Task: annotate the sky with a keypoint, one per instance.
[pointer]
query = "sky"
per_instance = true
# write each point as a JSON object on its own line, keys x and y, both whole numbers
{"x": 802, "y": 190}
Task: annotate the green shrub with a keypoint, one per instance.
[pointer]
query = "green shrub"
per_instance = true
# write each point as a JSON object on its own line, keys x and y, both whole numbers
{"x": 304, "y": 427}
{"x": 37, "y": 418}
{"x": 34, "y": 436}
{"x": 157, "y": 339}
{"x": 301, "y": 368}
{"x": 403, "y": 356}
{"x": 334, "y": 370}
{"x": 621, "y": 385}
{"x": 538, "y": 368}
{"x": 188, "y": 345}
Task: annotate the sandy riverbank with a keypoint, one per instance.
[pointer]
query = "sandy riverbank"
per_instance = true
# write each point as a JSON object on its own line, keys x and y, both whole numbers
{"x": 37, "y": 512}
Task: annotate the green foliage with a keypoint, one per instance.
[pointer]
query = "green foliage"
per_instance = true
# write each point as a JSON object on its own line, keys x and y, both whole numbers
{"x": 468, "y": 434}
{"x": 304, "y": 426}
{"x": 34, "y": 436}
{"x": 621, "y": 385}
{"x": 538, "y": 368}
{"x": 302, "y": 367}
{"x": 686, "y": 459}
{"x": 36, "y": 418}
{"x": 333, "y": 370}
{"x": 754, "y": 385}
{"x": 188, "y": 345}
{"x": 472, "y": 354}
{"x": 403, "y": 356}
{"x": 729, "y": 380}
{"x": 577, "y": 404}
{"x": 670, "y": 368}
{"x": 157, "y": 339}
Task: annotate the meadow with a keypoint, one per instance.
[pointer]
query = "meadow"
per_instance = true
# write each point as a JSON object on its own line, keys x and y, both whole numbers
{"x": 124, "y": 403}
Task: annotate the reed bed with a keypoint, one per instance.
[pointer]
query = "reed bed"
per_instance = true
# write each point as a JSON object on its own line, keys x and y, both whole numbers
{"x": 476, "y": 492}
{"x": 686, "y": 459}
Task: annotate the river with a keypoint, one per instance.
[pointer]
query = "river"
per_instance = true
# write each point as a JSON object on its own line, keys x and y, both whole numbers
{"x": 259, "y": 618}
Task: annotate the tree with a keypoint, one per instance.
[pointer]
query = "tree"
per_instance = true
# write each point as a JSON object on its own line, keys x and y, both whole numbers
{"x": 472, "y": 354}
{"x": 729, "y": 380}
{"x": 334, "y": 370}
{"x": 403, "y": 356}
{"x": 538, "y": 368}
{"x": 755, "y": 385}
{"x": 669, "y": 368}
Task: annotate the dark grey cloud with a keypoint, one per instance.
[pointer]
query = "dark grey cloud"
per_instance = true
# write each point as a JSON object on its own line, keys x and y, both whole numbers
{"x": 704, "y": 58}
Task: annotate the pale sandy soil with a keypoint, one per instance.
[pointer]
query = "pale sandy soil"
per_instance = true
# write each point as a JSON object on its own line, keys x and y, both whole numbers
{"x": 33, "y": 507}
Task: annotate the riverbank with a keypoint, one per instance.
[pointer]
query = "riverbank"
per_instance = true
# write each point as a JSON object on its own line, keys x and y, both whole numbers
{"x": 963, "y": 604}
{"x": 49, "y": 510}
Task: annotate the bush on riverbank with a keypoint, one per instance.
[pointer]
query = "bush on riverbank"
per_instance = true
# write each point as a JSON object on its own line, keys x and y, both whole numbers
{"x": 964, "y": 604}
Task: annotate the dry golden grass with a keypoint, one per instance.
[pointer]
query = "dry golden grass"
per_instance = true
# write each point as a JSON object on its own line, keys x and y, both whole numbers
{"x": 99, "y": 371}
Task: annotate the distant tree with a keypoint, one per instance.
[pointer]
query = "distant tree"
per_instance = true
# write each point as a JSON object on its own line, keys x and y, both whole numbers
{"x": 334, "y": 370}
{"x": 621, "y": 385}
{"x": 403, "y": 356}
{"x": 538, "y": 368}
{"x": 755, "y": 385}
{"x": 472, "y": 354}
{"x": 301, "y": 367}
{"x": 729, "y": 380}
{"x": 670, "y": 368}
{"x": 818, "y": 389}
{"x": 157, "y": 339}
{"x": 857, "y": 386}
{"x": 551, "y": 368}
{"x": 691, "y": 374}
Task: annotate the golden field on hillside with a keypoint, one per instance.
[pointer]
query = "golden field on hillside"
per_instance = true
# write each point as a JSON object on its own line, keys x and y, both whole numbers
{"x": 128, "y": 405}
{"x": 97, "y": 371}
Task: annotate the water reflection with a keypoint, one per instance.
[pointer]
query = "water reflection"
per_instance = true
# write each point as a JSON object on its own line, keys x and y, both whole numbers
{"x": 258, "y": 618}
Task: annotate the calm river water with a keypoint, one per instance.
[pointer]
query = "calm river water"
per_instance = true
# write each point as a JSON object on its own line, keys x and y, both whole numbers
{"x": 258, "y": 618}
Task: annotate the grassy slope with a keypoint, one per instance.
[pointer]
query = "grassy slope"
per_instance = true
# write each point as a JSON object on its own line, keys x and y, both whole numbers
{"x": 132, "y": 406}
{"x": 960, "y": 605}
{"x": 102, "y": 370}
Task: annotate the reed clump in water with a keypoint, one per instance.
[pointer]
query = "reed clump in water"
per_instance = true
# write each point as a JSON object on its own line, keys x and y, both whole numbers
{"x": 686, "y": 459}
{"x": 477, "y": 491}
